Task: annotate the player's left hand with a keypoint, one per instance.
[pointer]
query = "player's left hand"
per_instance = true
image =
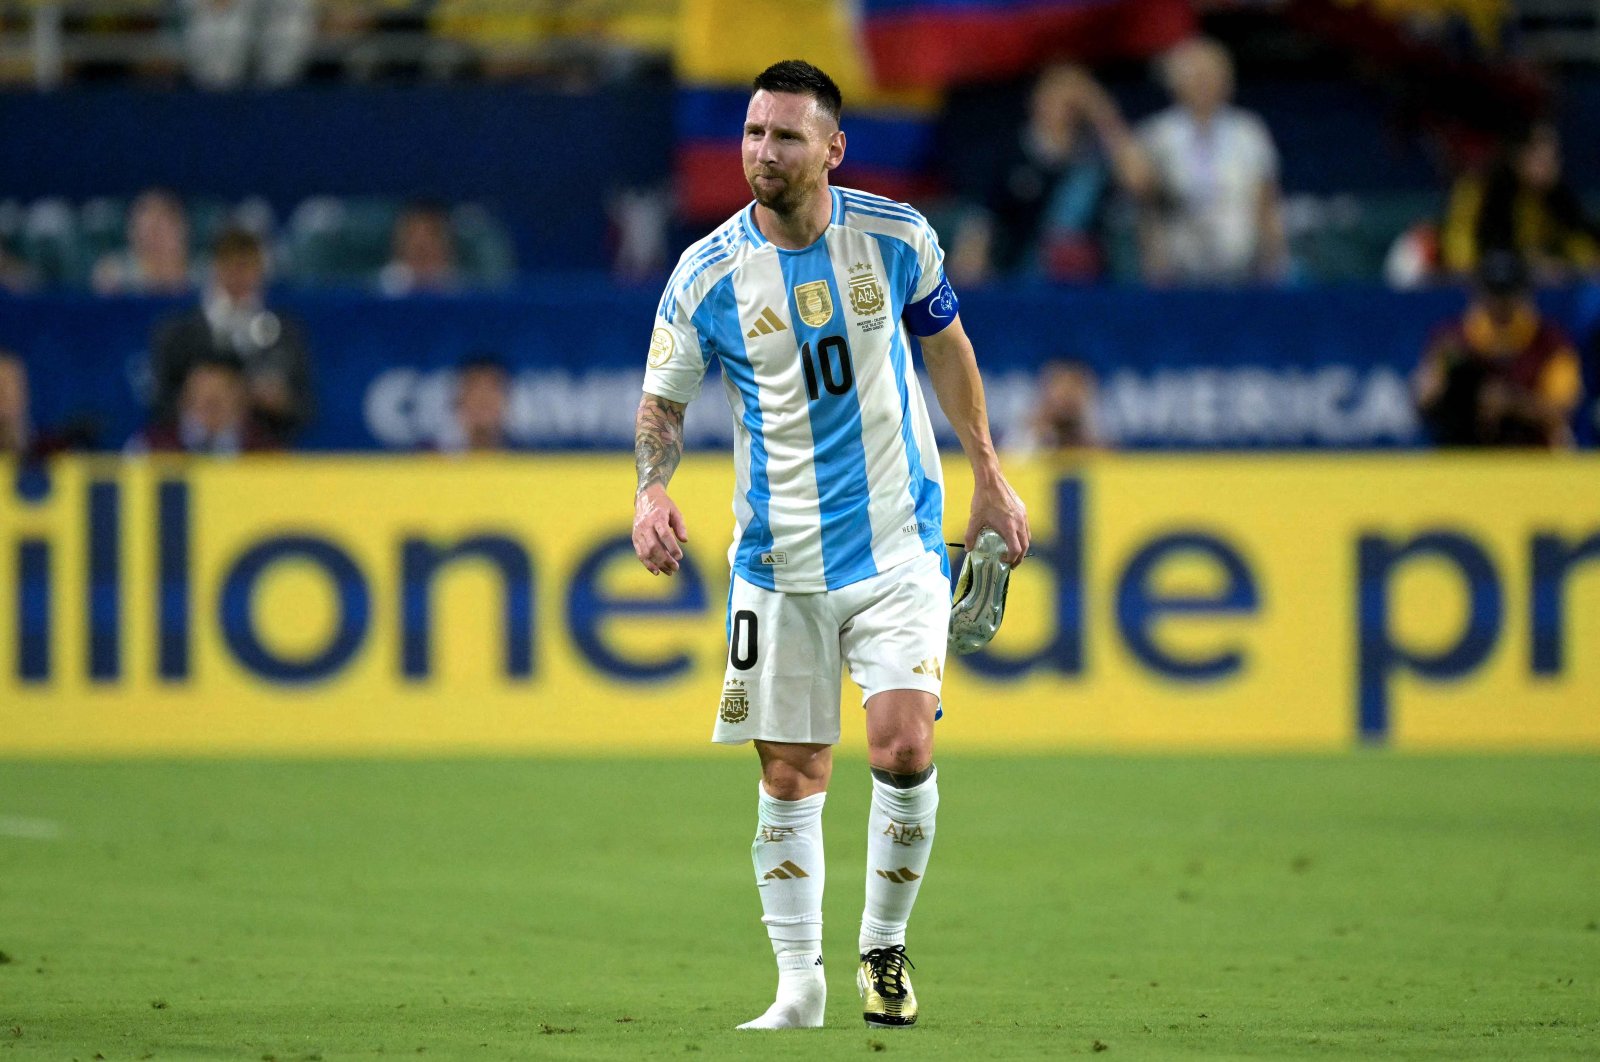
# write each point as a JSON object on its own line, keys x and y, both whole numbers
{"x": 996, "y": 505}
{"x": 659, "y": 531}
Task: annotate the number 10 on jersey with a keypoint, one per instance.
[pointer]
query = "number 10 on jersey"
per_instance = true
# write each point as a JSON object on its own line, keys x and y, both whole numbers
{"x": 833, "y": 358}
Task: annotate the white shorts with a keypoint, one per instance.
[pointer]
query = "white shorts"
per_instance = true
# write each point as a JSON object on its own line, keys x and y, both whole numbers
{"x": 785, "y": 651}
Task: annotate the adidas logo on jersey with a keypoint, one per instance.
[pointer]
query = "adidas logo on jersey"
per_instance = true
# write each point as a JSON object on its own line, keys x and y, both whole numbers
{"x": 767, "y": 324}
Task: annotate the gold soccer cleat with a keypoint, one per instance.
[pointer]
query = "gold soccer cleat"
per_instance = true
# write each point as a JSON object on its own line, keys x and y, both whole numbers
{"x": 886, "y": 996}
{"x": 980, "y": 597}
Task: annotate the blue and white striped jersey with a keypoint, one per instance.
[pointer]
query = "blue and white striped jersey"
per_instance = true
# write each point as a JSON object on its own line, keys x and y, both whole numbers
{"x": 837, "y": 474}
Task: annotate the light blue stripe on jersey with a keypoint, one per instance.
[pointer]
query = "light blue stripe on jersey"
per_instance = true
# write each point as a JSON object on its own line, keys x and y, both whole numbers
{"x": 718, "y": 320}
{"x": 720, "y": 247}
{"x": 839, "y": 457}
{"x": 856, "y": 203}
{"x": 904, "y": 268}
{"x": 926, "y": 494}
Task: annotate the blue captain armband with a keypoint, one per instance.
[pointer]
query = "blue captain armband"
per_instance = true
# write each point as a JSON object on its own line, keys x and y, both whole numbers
{"x": 933, "y": 314}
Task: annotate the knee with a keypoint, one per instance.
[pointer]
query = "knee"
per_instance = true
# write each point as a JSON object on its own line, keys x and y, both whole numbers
{"x": 795, "y": 777}
{"x": 784, "y": 782}
{"x": 902, "y": 754}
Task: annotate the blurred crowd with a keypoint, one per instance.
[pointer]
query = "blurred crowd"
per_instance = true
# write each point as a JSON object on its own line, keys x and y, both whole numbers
{"x": 1195, "y": 190}
{"x": 1062, "y": 186}
{"x": 160, "y": 244}
{"x": 229, "y": 44}
{"x": 1070, "y": 186}
{"x": 234, "y": 373}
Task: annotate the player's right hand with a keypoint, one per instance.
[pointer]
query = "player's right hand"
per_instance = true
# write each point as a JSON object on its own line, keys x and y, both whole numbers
{"x": 658, "y": 531}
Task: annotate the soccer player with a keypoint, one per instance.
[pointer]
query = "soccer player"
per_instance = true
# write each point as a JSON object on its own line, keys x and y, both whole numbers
{"x": 806, "y": 296}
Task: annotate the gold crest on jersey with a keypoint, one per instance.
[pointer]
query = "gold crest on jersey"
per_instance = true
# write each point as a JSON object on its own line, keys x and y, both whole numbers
{"x": 815, "y": 303}
{"x": 866, "y": 294}
{"x": 735, "y": 707}
{"x": 661, "y": 345}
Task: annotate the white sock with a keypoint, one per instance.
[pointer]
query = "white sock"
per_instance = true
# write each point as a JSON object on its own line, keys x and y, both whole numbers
{"x": 899, "y": 841}
{"x": 790, "y": 873}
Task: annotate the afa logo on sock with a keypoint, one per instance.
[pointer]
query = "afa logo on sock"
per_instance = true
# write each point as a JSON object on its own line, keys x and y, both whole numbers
{"x": 906, "y": 833}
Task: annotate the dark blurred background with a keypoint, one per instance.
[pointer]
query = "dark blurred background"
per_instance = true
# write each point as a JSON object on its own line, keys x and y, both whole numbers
{"x": 1293, "y": 223}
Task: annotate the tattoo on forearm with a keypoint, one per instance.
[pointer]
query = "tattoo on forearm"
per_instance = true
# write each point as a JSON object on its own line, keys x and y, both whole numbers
{"x": 657, "y": 440}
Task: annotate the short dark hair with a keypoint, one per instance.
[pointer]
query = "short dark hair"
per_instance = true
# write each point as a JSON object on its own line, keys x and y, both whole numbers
{"x": 228, "y": 367}
{"x": 484, "y": 361}
{"x": 803, "y": 79}
{"x": 236, "y": 240}
{"x": 432, "y": 209}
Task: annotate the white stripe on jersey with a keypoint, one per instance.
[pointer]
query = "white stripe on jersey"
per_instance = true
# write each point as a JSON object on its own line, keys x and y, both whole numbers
{"x": 793, "y": 515}
{"x": 742, "y": 512}
{"x": 875, "y": 383}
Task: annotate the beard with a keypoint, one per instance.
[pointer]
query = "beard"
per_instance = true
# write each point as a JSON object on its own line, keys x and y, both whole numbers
{"x": 783, "y": 198}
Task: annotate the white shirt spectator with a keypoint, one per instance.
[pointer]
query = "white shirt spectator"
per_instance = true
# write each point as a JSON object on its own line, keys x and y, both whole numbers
{"x": 1211, "y": 178}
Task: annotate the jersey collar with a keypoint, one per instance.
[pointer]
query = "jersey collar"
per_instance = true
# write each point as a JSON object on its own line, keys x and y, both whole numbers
{"x": 747, "y": 217}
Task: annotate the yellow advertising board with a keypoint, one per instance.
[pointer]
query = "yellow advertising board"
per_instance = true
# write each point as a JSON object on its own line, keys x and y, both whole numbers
{"x": 338, "y": 605}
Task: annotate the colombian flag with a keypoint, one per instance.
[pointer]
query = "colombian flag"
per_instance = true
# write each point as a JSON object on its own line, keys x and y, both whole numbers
{"x": 936, "y": 43}
{"x": 723, "y": 44}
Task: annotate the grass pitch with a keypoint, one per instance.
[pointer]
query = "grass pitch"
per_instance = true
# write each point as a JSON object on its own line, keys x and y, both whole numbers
{"x": 1361, "y": 906}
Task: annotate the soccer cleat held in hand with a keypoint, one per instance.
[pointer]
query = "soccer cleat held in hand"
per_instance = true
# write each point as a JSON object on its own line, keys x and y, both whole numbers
{"x": 885, "y": 986}
{"x": 980, "y": 597}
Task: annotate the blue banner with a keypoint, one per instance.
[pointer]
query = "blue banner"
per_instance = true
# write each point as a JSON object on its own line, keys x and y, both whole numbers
{"x": 1229, "y": 370}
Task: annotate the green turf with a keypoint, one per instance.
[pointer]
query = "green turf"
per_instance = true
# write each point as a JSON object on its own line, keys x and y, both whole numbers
{"x": 1364, "y": 906}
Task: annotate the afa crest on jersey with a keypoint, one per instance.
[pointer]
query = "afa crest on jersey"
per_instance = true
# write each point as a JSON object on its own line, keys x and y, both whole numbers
{"x": 866, "y": 294}
{"x": 735, "y": 706}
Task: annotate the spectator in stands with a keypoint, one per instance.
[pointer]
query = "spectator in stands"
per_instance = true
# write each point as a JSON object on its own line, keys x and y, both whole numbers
{"x": 1211, "y": 212}
{"x": 212, "y": 417}
{"x": 19, "y": 435}
{"x": 1500, "y": 375}
{"x": 1043, "y": 209}
{"x": 234, "y": 324}
{"x": 16, "y": 275}
{"x": 422, "y": 255}
{"x": 16, "y": 430}
{"x": 156, "y": 260}
{"x": 228, "y": 43}
{"x": 1522, "y": 204}
{"x": 1064, "y": 419}
{"x": 483, "y": 393}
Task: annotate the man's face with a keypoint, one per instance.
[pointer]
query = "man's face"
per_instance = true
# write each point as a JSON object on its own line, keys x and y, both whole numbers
{"x": 1539, "y": 161}
{"x": 214, "y": 397}
{"x": 13, "y": 391}
{"x": 481, "y": 401}
{"x": 1203, "y": 81}
{"x": 241, "y": 274}
{"x": 789, "y": 146}
{"x": 156, "y": 225}
{"x": 422, "y": 242}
